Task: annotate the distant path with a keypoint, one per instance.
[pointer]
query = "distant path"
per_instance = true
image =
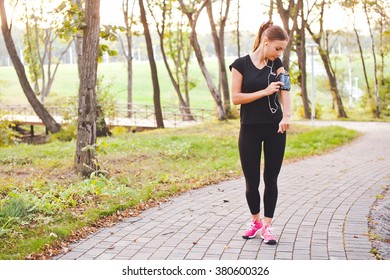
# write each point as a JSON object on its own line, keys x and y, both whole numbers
{"x": 321, "y": 213}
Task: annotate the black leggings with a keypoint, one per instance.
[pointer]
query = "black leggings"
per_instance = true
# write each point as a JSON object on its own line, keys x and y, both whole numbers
{"x": 249, "y": 144}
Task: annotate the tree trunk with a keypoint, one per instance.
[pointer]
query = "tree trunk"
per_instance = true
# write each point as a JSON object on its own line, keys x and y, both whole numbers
{"x": 301, "y": 53}
{"x": 363, "y": 62}
{"x": 333, "y": 83}
{"x": 86, "y": 159}
{"x": 79, "y": 42}
{"x": 324, "y": 53}
{"x": 39, "y": 109}
{"x": 184, "y": 107}
{"x": 286, "y": 15}
{"x": 153, "y": 67}
{"x": 129, "y": 59}
{"x": 198, "y": 53}
{"x": 129, "y": 55}
{"x": 377, "y": 110}
{"x": 33, "y": 69}
{"x": 161, "y": 27}
{"x": 102, "y": 129}
{"x": 219, "y": 46}
{"x": 381, "y": 50}
{"x": 271, "y": 9}
{"x": 238, "y": 29}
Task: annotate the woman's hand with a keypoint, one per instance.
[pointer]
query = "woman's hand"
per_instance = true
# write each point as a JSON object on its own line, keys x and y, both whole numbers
{"x": 284, "y": 124}
{"x": 273, "y": 87}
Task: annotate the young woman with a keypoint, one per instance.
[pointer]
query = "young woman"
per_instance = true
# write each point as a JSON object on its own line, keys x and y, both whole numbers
{"x": 255, "y": 87}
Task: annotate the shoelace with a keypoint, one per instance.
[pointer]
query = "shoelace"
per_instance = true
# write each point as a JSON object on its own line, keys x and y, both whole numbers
{"x": 251, "y": 225}
{"x": 268, "y": 231}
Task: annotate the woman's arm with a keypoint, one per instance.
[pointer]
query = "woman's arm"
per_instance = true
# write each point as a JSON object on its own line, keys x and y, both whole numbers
{"x": 286, "y": 104}
{"x": 242, "y": 98}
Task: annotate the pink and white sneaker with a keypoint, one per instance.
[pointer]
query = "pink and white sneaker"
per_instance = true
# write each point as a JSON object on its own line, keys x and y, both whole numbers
{"x": 253, "y": 229}
{"x": 268, "y": 236}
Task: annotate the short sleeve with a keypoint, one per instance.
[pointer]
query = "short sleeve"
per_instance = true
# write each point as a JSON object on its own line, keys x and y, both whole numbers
{"x": 278, "y": 63}
{"x": 238, "y": 64}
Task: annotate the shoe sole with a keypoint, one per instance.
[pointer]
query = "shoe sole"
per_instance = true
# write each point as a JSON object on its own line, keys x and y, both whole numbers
{"x": 252, "y": 236}
{"x": 269, "y": 242}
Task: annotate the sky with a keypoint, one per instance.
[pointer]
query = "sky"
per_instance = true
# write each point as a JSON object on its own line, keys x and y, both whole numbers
{"x": 253, "y": 14}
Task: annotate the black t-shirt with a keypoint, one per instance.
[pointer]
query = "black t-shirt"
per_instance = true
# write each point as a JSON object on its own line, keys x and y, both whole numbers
{"x": 255, "y": 79}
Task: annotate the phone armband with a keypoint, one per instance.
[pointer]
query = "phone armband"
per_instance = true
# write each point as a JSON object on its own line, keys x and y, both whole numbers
{"x": 285, "y": 79}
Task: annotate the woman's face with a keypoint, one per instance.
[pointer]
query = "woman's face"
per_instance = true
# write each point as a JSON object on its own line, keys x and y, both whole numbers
{"x": 274, "y": 49}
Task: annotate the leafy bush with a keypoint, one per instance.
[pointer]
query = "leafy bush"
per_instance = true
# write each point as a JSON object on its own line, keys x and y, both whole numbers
{"x": 318, "y": 111}
{"x": 68, "y": 133}
{"x": 384, "y": 95}
{"x": 119, "y": 130}
{"x": 7, "y": 135}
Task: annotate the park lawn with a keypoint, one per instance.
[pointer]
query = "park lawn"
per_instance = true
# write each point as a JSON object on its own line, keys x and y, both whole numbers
{"x": 113, "y": 75}
{"x": 44, "y": 202}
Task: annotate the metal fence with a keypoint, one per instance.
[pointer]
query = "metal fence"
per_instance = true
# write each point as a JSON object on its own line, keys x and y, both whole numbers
{"x": 138, "y": 115}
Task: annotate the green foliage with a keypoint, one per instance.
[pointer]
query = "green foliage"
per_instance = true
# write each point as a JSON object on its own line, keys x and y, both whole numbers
{"x": 119, "y": 130}
{"x": 15, "y": 160}
{"x": 384, "y": 96}
{"x": 109, "y": 33}
{"x": 68, "y": 133}
{"x": 317, "y": 113}
{"x": 31, "y": 57}
{"x": 7, "y": 134}
{"x": 106, "y": 98}
{"x": 44, "y": 203}
{"x": 13, "y": 211}
{"x": 73, "y": 20}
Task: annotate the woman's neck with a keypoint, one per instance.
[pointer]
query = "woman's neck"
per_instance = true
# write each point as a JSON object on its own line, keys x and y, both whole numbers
{"x": 259, "y": 57}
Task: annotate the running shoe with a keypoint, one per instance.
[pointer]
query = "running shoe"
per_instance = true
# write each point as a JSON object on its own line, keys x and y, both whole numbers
{"x": 268, "y": 236}
{"x": 254, "y": 228}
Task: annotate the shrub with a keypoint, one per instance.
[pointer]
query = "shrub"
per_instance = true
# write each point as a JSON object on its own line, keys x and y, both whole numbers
{"x": 68, "y": 133}
{"x": 7, "y": 135}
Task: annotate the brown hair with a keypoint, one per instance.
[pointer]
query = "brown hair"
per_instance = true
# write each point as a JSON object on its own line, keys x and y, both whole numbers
{"x": 273, "y": 32}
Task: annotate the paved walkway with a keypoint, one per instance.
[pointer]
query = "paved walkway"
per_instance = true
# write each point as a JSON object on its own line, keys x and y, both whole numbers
{"x": 321, "y": 213}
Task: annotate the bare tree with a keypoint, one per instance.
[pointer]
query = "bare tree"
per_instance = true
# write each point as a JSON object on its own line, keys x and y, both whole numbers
{"x": 321, "y": 39}
{"x": 193, "y": 10}
{"x": 73, "y": 26}
{"x": 238, "y": 29}
{"x": 173, "y": 39}
{"x": 288, "y": 14}
{"x": 86, "y": 159}
{"x": 153, "y": 67}
{"x": 271, "y": 9}
{"x": 39, "y": 109}
{"x": 40, "y": 37}
{"x": 366, "y": 11}
{"x": 128, "y": 15}
{"x": 300, "y": 49}
{"x": 219, "y": 46}
{"x": 350, "y": 6}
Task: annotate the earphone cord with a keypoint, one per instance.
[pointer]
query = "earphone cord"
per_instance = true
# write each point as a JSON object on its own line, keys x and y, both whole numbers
{"x": 273, "y": 110}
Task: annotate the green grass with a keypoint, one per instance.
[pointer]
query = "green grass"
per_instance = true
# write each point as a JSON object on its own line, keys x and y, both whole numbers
{"x": 42, "y": 200}
{"x": 66, "y": 84}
